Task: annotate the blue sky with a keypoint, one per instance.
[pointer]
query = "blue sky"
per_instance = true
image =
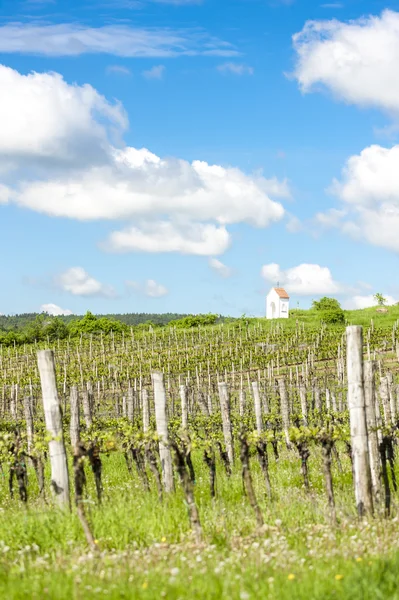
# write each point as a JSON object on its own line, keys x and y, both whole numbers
{"x": 185, "y": 156}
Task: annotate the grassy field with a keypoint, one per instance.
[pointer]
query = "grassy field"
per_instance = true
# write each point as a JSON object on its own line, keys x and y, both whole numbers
{"x": 145, "y": 548}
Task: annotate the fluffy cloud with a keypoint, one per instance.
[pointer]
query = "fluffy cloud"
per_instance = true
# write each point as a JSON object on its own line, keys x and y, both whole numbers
{"x": 78, "y": 282}
{"x": 235, "y": 69}
{"x": 357, "y": 61}
{"x": 68, "y": 39}
{"x": 138, "y": 183}
{"x": 303, "y": 280}
{"x": 163, "y": 236}
{"x": 366, "y": 302}
{"x": 79, "y": 169}
{"x": 54, "y": 310}
{"x": 156, "y": 72}
{"x": 149, "y": 288}
{"x": 48, "y": 122}
{"x": 369, "y": 191}
{"x": 221, "y": 269}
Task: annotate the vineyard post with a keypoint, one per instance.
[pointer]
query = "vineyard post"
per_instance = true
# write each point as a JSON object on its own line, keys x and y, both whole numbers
{"x": 304, "y": 405}
{"x": 75, "y": 418}
{"x": 87, "y": 409}
{"x": 29, "y": 422}
{"x": 130, "y": 404}
{"x": 225, "y": 410}
{"x": 392, "y": 399}
{"x": 184, "y": 410}
{"x": 357, "y": 418}
{"x": 53, "y": 419}
{"x": 241, "y": 399}
{"x": 384, "y": 395}
{"x": 285, "y": 410}
{"x": 258, "y": 407}
{"x": 369, "y": 397}
{"x": 146, "y": 410}
{"x": 162, "y": 430}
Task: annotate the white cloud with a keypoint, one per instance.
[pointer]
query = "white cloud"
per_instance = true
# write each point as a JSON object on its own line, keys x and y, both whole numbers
{"x": 331, "y": 218}
{"x": 155, "y": 72}
{"x": 357, "y": 302}
{"x": 235, "y": 68}
{"x": 149, "y": 288}
{"x": 68, "y": 39}
{"x": 369, "y": 191}
{"x": 163, "y": 236}
{"x": 78, "y": 282}
{"x": 138, "y": 183}
{"x": 118, "y": 70}
{"x": 357, "y": 61}
{"x": 303, "y": 280}
{"x": 221, "y": 269}
{"x": 66, "y": 135}
{"x": 48, "y": 122}
{"x": 54, "y": 310}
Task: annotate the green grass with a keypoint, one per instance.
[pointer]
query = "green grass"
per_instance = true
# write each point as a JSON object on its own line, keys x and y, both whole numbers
{"x": 146, "y": 549}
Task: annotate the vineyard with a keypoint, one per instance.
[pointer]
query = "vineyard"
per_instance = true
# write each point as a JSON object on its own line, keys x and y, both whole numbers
{"x": 248, "y": 459}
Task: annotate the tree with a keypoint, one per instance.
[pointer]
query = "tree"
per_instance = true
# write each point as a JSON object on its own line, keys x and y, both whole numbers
{"x": 326, "y": 303}
{"x": 330, "y": 310}
{"x": 379, "y": 298}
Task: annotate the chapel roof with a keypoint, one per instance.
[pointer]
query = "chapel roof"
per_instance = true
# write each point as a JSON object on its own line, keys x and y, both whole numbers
{"x": 281, "y": 292}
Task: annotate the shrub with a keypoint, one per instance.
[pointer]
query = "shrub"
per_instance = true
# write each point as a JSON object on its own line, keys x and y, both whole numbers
{"x": 333, "y": 316}
{"x": 195, "y": 321}
{"x": 326, "y": 304}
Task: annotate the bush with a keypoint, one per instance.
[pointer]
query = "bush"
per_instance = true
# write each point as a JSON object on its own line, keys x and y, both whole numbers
{"x": 326, "y": 304}
{"x": 92, "y": 324}
{"x": 195, "y": 321}
{"x": 333, "y": 316}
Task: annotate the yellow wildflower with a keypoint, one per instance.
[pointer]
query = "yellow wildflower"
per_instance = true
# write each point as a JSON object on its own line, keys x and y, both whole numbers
{"x": 291, "y": 576}
{"x": 359, "y": 559}
{"x": 339, "y": 577}
{"x": 144, "y": 585}
{"x": 163, "y": 539}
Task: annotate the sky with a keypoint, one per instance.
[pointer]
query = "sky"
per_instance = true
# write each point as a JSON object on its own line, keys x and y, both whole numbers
{"x": 186, "y": 156}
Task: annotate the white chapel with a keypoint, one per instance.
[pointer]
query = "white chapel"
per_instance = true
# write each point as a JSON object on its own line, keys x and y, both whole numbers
{"x": 277, "y": 304}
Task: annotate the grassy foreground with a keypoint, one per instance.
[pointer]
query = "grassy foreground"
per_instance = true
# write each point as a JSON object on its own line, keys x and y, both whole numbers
{"x": 145, "y": 549}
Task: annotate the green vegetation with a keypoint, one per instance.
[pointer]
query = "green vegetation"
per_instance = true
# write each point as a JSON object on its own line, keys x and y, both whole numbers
{"x": 379, "y": 298}
{"x": 146, "y": 550}
{"x": 288, "y": 540}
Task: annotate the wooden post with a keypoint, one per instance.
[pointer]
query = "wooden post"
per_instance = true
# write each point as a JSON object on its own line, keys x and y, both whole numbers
{"x": 75, "y": 418}
{"x": 392, "y": 399}
{"x": 53, "y": 419}
{"x": 384, "y": 395}
{"x": 369, "y": 397}
{"x": 130, "y": 404}
{"x": 162, "y": 430}
{"x": 29, "y": 422}
{"x": 146, "y": 410}
{"x": 285, "y": 410}
{"x": 304, "y": 405}
{"x": 225, "y": 410}
{"x": 358, "y": 423}
{"x": 184, "y": 410}
{"x": 258, "y": 407}
{"x": 87, "y": 409}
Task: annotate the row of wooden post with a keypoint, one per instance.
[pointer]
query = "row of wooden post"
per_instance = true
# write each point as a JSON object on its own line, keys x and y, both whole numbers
{"x": 361, "y": 403}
